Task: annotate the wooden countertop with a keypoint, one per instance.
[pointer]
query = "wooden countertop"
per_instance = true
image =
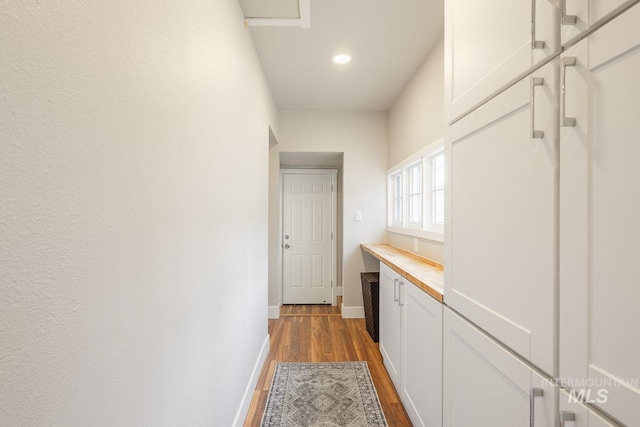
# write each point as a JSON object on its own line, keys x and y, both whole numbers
{"x": 422, "y": 272}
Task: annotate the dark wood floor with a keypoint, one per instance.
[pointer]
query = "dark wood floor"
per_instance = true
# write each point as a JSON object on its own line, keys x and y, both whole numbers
{"x": 320, "y": 334}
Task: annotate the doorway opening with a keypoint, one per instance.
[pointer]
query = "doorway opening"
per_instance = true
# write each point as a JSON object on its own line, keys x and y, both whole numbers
{"x": 311, "y": 228}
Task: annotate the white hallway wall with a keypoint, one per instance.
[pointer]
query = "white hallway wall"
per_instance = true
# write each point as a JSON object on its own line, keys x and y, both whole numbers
{"x": 133, "y": 212}
{"x": 416, "y": 119}
{"x": 362, "y": 136}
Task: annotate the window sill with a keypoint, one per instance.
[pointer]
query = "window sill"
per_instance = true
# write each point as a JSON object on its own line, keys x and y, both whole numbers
{"x": 423, "y": 234}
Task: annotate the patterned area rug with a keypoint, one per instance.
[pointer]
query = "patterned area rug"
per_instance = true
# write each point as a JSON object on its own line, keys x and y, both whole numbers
{"x": 323, "y": 395}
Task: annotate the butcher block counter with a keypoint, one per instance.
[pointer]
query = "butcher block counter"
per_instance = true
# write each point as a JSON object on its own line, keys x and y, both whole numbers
{"x": 422, "y": 272}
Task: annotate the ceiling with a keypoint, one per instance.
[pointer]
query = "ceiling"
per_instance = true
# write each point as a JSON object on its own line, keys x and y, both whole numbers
{"x": 388, "y": 40}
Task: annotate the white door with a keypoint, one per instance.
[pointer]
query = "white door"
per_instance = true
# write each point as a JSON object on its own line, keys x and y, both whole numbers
{"x": 578, "y": 16}
{"x": 391, "y": 322}
{"x": 484, "y": 385}
{"x": 490, "y": 43}
{"x": 421, "y": 390}
{"x": 599, "y": 211}
{"x": 501, "y": 272}
{"x": 307, "y": 227}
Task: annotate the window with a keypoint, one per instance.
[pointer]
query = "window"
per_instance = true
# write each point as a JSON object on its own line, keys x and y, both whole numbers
{"x": 416, "y": 194}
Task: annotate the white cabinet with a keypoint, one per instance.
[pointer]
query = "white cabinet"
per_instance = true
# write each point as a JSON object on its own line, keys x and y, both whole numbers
{"x": 501, "y": 240}
{"x": 575, "y": 414}
{"x": 390, "y": 340}
{"x": 411, "y": 346}
{"x": 491, "y": 43}
{"x": 579, "y": 16}
{"x": 599, "y": 212}
{"x": 485, "y": 385}
{"x": 421, "y": 389}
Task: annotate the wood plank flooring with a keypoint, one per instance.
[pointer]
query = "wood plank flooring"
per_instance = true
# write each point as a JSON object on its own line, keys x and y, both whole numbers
{"x": 320, "y": 334}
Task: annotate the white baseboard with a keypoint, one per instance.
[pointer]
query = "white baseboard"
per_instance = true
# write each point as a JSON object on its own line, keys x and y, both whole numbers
{"x": 253, "y": 381}
{"x": 352, "y": 312}
{"x": 274, "y": 312}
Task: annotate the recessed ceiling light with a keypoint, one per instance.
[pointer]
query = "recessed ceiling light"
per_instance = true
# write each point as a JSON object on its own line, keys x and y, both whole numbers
{"x": 342, "y": 58}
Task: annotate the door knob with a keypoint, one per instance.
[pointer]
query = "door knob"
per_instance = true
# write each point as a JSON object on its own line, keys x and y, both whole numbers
{"x": 286, "y": 246}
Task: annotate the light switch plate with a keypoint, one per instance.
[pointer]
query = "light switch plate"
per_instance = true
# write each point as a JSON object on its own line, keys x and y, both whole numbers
{"x": 357, "y": 216}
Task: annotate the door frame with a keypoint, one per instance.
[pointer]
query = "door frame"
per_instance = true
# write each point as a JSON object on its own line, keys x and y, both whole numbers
{"x": 334, "y": 224}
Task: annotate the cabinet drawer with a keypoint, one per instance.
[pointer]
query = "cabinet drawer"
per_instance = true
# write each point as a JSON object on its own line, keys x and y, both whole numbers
{"x": 484, "y": 385}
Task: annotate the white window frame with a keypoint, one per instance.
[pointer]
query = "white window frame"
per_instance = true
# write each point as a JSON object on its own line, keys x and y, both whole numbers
{"x": 410, "y": 195}
{"x": 394, "y": 197}
{"x": 426, "y": 228}
{"x": 430, "y": 205}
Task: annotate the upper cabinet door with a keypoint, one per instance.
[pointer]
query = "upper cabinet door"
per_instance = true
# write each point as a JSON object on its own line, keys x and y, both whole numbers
{"x": 599, "y": 211}
{"x": 488, "y": 44}
{"x": 578, "y": 16}
{"x": 501, "y": 242}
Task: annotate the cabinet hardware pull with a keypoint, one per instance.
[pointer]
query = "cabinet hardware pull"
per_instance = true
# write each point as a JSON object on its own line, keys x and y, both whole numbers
{"x": 569, "y": 61}
{"x": 533, "y": 393}
{"x": 395, "y": 290}
{"x": 566, "y": 416}
{"x": 567, "y": 19}
{"x": 535, "y": 81}
{"x": 535, "y": 44}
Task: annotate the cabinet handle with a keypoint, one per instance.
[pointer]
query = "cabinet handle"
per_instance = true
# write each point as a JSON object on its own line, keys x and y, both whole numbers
{"x": 401, "y": 296}
{"x": 535, "y": 44}
{"x": 567, "y": 19}
{"x": 395, "y": 290}
{"x": 533, "y": 393}
{"x": 535, "y": 81}
{"x": 569, "y": 61}
{"x": 566, "y": 416}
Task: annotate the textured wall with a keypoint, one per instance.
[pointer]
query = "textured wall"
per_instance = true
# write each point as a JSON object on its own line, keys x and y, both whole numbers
{"x": 362, "y": 137}
{"x": 133, "y": 212}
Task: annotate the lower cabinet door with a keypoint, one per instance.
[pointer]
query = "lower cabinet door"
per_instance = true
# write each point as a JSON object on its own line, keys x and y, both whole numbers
{"x": 390, "y": 322}
{"x": 422, "y": 369}
{"x": 485, "y": 385}
{"x": 575, "y": 414}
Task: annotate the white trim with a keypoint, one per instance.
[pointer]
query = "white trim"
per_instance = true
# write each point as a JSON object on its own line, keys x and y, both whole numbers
{"x": 303, "y": 22}
{"x": 274, "y": 312}
{"x": 241, "y": 414}
{"x": 334, "y": 225}
{"x": 339, "y": 290}
{"x": 352, "y": 312}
